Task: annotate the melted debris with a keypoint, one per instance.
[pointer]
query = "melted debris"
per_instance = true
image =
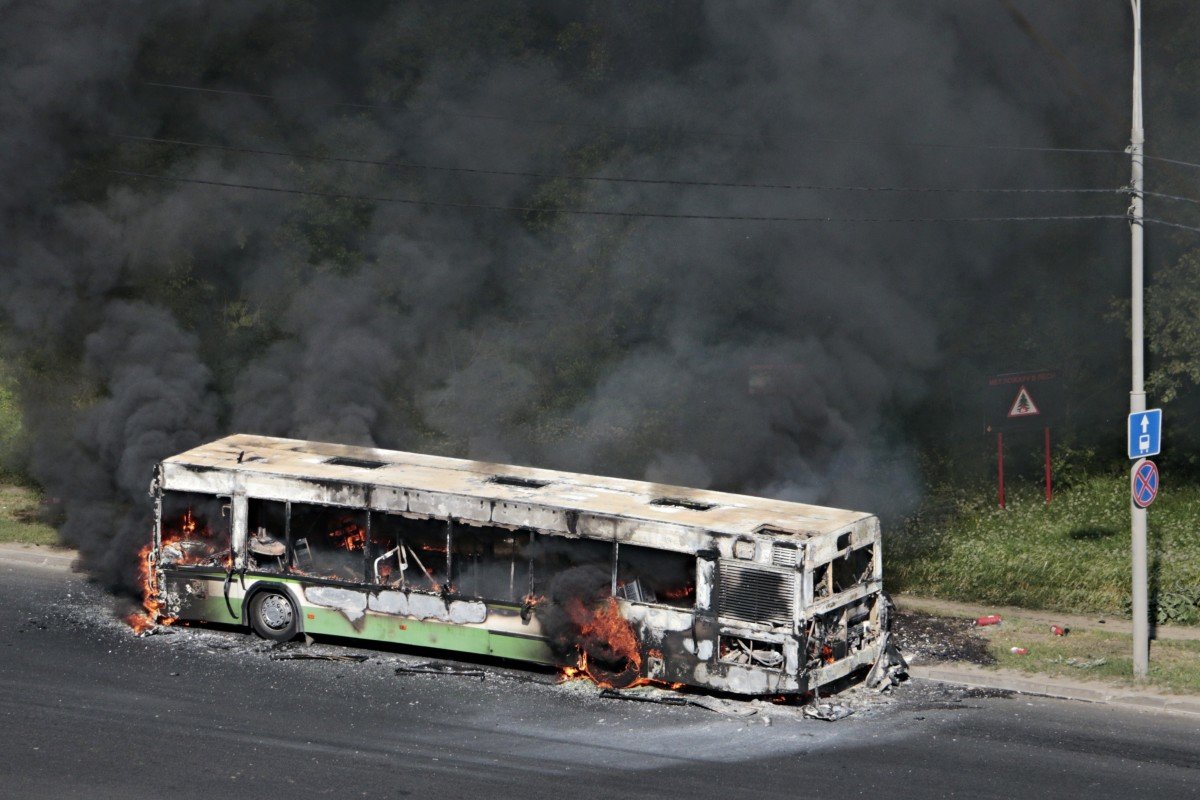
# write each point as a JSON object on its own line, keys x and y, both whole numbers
{"x": 829, "y": 712}
{"x": 345, "y": 657}
{"x": 440, "y": 668}
{"x": 924, "y": 638}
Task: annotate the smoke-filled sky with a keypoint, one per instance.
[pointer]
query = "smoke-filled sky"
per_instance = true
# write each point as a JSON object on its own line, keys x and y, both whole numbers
{"x": 144, "y": 316}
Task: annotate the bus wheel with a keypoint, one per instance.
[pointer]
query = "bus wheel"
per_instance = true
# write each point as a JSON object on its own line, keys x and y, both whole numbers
{"x": 272, "y": 616}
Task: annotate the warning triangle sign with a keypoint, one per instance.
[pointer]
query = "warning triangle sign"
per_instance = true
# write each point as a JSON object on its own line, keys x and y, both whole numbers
{"x": 1023, "y": 406}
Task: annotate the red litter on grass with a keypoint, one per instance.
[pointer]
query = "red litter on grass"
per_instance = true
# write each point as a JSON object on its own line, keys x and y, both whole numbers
{"x": 1057, "y": 631}
{"x": 991, "y": 619}
{"x": 1019, "y": 651}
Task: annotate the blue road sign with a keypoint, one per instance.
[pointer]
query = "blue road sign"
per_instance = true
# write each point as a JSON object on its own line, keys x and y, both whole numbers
{"x": 1145, "y": 483}
{"x": 1145, "y": 433}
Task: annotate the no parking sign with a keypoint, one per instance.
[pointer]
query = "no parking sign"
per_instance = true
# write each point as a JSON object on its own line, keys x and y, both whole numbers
{"x": 1145, "y": 483}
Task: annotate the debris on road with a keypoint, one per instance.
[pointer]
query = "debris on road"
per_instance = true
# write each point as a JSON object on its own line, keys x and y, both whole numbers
{"x": 156, "y": 630}
{"x": 925, "y": 638}
{"x": 434, "y": 668}
{"x": 991, "y": 619}
{"x": 889, "y": 668}
{"x": 1059, "y": 631}
{"x": 718, "y": 705}
{"x": 318, "y": 657}
{"x": 644, "y": 697}
{"x": 829, "y": 712}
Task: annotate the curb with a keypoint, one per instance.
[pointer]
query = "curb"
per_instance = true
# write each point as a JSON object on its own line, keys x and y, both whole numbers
{"x": 36, "y": 556}
{"x": 1105, "y": 694}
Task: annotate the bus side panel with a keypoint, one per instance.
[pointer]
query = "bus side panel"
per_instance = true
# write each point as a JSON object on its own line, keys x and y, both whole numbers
{"x": 426, "y": 633}
{"x": 199, "y": 597}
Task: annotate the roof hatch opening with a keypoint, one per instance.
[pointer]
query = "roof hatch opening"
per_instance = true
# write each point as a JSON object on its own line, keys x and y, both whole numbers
{"x": 677, "y": 502}
{"x": 521, "y": 483}
{"x": 360, "y": 463}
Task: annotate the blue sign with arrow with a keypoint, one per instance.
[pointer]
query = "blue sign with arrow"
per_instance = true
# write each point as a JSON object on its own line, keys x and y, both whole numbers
{"x": 1145, "y": 433}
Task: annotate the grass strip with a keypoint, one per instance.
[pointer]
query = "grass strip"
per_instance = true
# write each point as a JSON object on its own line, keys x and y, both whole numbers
{"x": 1093, "y": 655}
{"x": 19, "y": 521}
{"x": 1072, "y": 555}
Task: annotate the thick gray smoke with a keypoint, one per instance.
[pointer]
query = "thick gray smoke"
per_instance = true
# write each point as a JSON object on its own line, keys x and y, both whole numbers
{"x": 145, "y": 317}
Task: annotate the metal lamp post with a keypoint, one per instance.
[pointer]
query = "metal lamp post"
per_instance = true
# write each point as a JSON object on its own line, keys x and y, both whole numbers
{"x": 1137, "y": 395}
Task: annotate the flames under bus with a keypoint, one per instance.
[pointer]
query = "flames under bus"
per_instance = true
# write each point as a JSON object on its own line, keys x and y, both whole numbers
{"x": 623, "y": 580}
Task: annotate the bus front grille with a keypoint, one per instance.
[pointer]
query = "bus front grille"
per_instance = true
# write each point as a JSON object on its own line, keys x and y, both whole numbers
{"x": 756, "y": 593}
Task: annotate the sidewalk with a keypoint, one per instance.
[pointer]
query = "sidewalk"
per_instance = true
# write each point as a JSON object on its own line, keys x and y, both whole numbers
{"x": 1096, "y": 622}
{"x": 37, "y": 555}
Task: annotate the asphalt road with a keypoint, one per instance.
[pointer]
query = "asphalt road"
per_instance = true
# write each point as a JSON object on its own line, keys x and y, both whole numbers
{"x": 88, "y": 710}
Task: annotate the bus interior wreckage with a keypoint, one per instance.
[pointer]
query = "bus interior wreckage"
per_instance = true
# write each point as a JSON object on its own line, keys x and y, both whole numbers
{"x": 621, "y": 581}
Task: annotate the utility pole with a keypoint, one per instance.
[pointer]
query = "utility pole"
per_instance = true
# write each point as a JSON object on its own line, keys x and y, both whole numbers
{"x": 1137, "y": 395}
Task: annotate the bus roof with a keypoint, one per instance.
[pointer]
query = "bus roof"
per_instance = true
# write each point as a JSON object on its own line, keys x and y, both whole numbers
{"x": 567, "y": 491}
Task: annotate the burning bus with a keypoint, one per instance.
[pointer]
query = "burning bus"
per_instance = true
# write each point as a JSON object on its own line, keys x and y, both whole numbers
{"x": 622, "y": 581}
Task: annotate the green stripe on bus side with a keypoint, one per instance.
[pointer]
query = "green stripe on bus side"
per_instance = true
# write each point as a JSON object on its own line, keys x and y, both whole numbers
{"x": 425, "y": 633}
{"x": 375, "y": 626}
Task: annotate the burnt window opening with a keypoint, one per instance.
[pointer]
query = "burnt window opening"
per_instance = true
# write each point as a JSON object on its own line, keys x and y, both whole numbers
{"x": 679, "y": 502}
{"x": 408, "y": 553}
{"x": 827, "y": 640}
{"x": 195, "y": 530}
{"x": 843, "y": 541}
{"x": 853, "y": 569}
{"x": 491, "y": 563}
{"x": 656, "y": 576}
{"x": 520, "y": 483}
{"x": 358, "y": 463}
{"x": 266, "y": 535}
{"x": 328, "y": 542}
{"x": 564, "y": 568}
{"x": 822, "y": 585}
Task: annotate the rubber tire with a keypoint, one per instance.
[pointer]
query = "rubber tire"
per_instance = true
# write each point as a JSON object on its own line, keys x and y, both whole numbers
{"x": 259, "y": 623}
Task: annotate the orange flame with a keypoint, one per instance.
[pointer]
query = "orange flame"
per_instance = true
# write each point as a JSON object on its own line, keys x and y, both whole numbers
{"x": 188, "y": 530}
{"x": 142, "y": 621}
{"x": 352, "y": 536}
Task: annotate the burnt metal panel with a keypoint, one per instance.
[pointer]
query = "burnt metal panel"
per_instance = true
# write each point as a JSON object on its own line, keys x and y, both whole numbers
{"x": 756, "y": 593}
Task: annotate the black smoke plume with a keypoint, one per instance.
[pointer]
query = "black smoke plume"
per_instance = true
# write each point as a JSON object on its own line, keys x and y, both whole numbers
{"x": 143, "y": 317}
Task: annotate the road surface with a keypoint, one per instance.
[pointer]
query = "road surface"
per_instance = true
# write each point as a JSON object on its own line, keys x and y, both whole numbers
{"x": 88, "y": 710}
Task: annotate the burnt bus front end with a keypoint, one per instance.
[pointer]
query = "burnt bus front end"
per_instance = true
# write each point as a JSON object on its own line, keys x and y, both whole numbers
{"x": 775, "y": 614}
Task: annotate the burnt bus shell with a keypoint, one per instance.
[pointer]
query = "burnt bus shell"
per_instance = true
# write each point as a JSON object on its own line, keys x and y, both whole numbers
{"x": 787, "y": 596}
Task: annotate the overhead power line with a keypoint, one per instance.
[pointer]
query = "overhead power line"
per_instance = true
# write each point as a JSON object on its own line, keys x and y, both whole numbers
{"x": 1153, "y": 221}
{"x": 606, "y": 178}
{"x": 1174, "y": 161}
{"x": 643, "y": 128}
{"x": 597, "y": 212}
{"x": 1162, "y": 196}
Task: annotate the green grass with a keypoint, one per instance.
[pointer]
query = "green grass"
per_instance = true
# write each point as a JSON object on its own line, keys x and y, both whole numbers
{"x": 1072, "y": 555}
{"x": 18, "y": 517}
{"x": 11, "y": 428}
{"x": 1093, "y": 655}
